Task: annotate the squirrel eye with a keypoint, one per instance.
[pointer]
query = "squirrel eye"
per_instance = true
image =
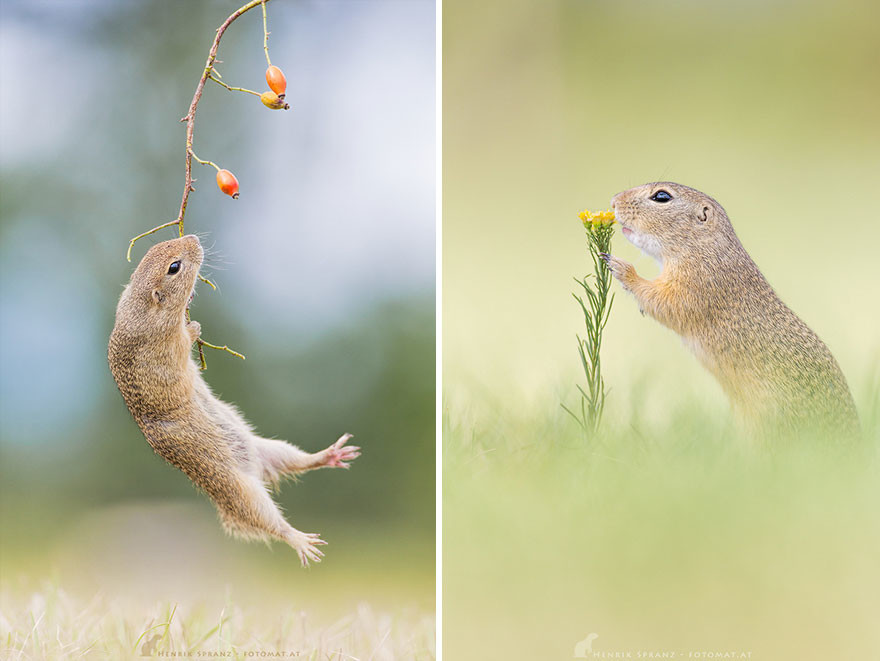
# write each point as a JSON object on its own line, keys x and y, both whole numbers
{"x": 174, "y": 268}
{"x": 661, "y": 196}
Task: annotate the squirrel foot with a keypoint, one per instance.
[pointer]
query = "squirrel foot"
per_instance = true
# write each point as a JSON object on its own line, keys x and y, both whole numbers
{"x": 339, "y": 454}
{"x": 305, "y": 544}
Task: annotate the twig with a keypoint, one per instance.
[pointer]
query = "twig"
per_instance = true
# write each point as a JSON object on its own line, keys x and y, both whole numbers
{"x": 223, "y": 348}
{"x": 232, "y": 89}
{"x": 207, "y": 282}
{"x": 202, "y": 343}
{"x": 211, "y": 163}
{"x": 147, "y": 233}
{"x": 266, "y": 35}
{"x": 190, "y": 117}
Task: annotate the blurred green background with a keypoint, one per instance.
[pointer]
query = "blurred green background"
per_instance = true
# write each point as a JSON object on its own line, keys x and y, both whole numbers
{"x": 325, "y": 268}
{"x": 668, "y": 533}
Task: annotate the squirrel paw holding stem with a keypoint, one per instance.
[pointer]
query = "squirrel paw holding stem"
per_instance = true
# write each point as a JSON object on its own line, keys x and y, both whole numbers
{"x": 623, "y": 271}
{"x": 194, "y": 329}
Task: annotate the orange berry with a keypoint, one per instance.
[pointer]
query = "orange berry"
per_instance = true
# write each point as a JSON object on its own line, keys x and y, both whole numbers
{"x": 273, "y": 101}
{"x": 276, "y": 80}
{"x": 228, "y": 183}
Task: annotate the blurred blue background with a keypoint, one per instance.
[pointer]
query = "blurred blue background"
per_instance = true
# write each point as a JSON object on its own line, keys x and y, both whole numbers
{"x": 325, "y": 268}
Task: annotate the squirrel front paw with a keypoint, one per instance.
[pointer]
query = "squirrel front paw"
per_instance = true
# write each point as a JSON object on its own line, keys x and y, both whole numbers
{"x": 194, "y": 329}
{"x": 339, "y": 454}
{"x": 623, "y": 271}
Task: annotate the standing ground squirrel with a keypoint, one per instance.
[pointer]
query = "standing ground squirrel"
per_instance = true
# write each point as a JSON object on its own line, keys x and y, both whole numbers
{"x": 150, "y": 356}
{"x": 779, "y": 376}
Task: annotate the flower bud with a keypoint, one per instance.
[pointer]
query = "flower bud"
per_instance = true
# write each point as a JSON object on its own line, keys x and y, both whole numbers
{"x": 596, "y": 219}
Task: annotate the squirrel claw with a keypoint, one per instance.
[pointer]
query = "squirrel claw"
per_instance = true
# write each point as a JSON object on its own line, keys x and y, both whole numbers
{"x": 339, "y": 454}
{"x": 305, "y": 544}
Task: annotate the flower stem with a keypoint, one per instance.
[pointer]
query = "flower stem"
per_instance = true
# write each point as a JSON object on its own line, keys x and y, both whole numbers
{"x": 596, "y": 307}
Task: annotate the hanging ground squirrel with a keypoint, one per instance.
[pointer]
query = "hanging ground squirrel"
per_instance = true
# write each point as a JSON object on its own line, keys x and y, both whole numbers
{"x": 150, "y": 356}
{"x": 779, "y": 376}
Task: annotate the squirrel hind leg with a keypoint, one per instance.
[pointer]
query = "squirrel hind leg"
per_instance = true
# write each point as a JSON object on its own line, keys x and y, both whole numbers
{"x": 278, "y": 459}
{"x": 252, "y": 514}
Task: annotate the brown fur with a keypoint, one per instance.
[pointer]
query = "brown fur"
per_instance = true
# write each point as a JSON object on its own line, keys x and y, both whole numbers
{"x": 150, "y": 355}
{"x": 779, "y": 376}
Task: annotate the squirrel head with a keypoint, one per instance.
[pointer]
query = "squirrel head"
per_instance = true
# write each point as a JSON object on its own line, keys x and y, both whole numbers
{"x": 669, "y": 221}
{"x": 162, "y": 285}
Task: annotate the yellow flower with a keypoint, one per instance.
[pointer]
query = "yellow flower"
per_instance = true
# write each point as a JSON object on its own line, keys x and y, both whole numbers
{"x": 596, "y": 219}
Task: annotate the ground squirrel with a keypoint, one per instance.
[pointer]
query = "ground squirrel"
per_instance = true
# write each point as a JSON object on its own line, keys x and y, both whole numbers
{"x": 779, "y": 376}
{"x": 150, "y": 356}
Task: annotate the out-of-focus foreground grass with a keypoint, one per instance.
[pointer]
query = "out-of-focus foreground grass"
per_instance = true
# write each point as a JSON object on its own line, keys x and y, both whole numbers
{"x": 682, "y": 539}
{"x": 117, "y": 572}
{"x": 52, "y": 625}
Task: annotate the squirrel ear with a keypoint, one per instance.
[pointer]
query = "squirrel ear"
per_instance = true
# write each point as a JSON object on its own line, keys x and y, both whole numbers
{"x": 157, "y": 296}
{"x": 704, "y": 215}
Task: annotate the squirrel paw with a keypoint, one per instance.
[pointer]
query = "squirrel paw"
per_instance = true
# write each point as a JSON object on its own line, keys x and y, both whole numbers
{"x": 339, "y": 454}
{"x": 621, "y": 270}
{"x": 194, "y": 329}
{"x": 305, "y": 544}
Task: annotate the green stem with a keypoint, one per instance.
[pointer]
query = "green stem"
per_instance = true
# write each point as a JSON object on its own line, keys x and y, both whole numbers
{"x": 596, "y": 307}
{"x": 147, "y": 233}
{"x": 211, "y": 163}
{"x": 266, "y": 36}
{"x": 231, "y": 88}
{"x": 202, "y": 343}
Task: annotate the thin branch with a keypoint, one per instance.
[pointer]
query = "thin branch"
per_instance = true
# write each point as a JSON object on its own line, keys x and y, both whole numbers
{"x": 266, "y": 36}
{"x": 233, "y": 89}
{"x": 202, "y": 343}
{"x": 191, "y": 113}
{"x": 211, "y": 163}
{"x": 147, "y": 233}
{"x": 190, "y": 119}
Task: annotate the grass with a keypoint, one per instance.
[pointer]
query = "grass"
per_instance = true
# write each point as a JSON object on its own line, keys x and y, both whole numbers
{"x": 669, "y": 535}
{"x": 52, "y": 624}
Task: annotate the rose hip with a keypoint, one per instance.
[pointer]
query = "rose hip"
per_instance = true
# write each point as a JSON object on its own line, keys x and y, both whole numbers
{"x": 228, "y": 183}
{"x": 276, "y": 80}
